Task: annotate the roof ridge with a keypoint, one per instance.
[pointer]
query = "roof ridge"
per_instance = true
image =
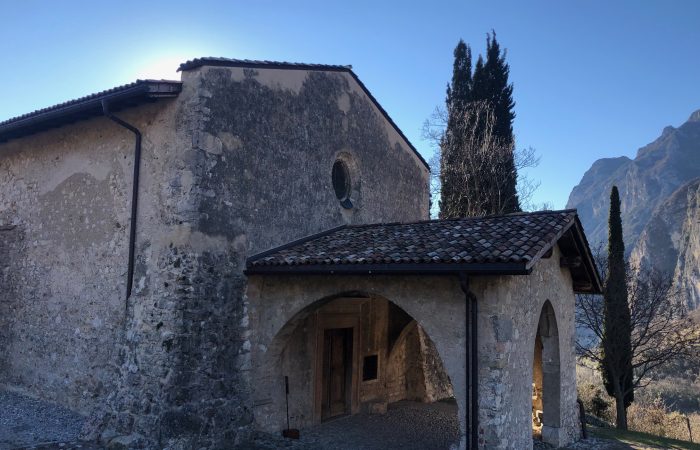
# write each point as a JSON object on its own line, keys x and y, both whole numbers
{"x": 470, "y": 218}
{"x": 222, "y": 61}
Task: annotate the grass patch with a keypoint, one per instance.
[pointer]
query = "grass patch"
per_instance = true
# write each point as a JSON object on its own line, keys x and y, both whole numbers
{"x": 640, "y": 440}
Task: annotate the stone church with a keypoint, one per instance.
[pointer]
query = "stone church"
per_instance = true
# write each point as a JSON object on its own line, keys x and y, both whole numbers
{"x": 173, "y": 251}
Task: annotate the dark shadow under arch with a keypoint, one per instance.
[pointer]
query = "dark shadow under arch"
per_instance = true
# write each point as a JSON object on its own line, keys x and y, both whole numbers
{"x": 296, "y": 351}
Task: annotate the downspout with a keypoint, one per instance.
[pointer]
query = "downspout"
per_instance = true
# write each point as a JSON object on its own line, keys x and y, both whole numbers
{"x": 134, "y": 195}
{"x": 472, "y": 364}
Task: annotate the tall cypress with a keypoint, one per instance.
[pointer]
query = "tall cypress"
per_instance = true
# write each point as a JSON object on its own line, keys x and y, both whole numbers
{"x": 491, "y": 84}
{"x": 478, "y": 193}
{"x": 499, "y": 93}
{"x": 617, "y": 327}
{"x": 458, "y": 98}
{"x": 459, "y": 90}
{"x": 480, "y": 86}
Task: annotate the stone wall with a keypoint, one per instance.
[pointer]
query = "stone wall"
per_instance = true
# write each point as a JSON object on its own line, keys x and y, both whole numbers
{"x": 269, "y": 139}
{"x": 256, "y": 153}
{"x": 297, "y": 363}
{"x": 509, "y": 310}
{"x": 239, "y": 162}
{"x": 415, "y": 370}
{"x": 64, "y": 209}
{"x": 405, "y": 379}
{"x": 436, "y": 381}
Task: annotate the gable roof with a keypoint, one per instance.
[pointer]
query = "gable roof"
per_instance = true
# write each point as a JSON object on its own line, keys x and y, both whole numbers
{"x": 264, "y": 64}
{"x": 120, "y": 97}
{"x": 494, "y": 245}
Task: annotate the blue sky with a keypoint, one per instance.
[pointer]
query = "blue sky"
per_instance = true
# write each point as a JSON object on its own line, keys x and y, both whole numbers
{"x": 592, "y": 78}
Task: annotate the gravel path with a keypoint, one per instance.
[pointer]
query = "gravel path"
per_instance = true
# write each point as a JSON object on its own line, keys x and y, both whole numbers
{"x": 27, "y": 422}
{"x": 406, "y": 425}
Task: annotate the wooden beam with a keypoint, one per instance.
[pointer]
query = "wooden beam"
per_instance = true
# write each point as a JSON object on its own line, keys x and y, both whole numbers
{"x": 583, "y": 287}
{"x": 572, "y": 262}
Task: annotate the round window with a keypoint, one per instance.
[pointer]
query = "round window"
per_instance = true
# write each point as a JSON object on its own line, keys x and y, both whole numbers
{"x": 341, "y": 183}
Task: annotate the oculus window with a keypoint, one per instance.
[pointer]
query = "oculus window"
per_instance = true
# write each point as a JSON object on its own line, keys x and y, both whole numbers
{"x": 342, "y": 184}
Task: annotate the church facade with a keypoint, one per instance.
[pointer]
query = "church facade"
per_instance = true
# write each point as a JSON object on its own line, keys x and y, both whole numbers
{"x": 175, "y": 251}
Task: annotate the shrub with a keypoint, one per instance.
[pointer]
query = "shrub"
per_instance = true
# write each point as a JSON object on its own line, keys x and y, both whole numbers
{"x": 654, "y": 417}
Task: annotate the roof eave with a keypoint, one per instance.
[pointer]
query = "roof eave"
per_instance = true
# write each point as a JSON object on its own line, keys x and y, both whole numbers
{"x": 589, "y": 261}
{"x": 143, "y": 91}
{"x": 550, "y": 245}
{"x": 391, "y": 269}
{"x": 594, "y": 286}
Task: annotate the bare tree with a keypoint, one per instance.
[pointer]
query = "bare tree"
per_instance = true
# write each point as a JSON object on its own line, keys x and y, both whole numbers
{"x": 478, "y": 172}
{"x": 662, "y": 331}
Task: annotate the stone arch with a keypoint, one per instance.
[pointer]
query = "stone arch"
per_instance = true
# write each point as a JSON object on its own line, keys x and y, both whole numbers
{"x": 268, "y": 369}
{"x": 547, "y": 377}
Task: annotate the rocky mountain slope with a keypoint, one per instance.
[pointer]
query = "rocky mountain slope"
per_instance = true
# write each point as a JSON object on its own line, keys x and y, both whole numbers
{"x": 659, "y": 191}
{"x": 670, "y": 242}
{"x": 687, "y": 272}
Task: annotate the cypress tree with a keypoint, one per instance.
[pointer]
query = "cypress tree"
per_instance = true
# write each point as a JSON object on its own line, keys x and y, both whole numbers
{"x": 459, "y": 90}
{"x": 458, "y": 98}
{"x": 480, "y": 84}
{"x": 617, "y": 327}
{"x": 493, "y": 190}
{"x": 480, "y": 91}
{"x": 499, "y": 93}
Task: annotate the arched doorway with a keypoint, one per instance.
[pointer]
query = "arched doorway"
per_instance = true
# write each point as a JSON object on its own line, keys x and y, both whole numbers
{"x": 347, "y": 354}
{"x": 546, "y": 378}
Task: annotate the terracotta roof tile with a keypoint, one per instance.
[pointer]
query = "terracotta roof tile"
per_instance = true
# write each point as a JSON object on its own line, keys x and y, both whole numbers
{"x": 511, "y": 239}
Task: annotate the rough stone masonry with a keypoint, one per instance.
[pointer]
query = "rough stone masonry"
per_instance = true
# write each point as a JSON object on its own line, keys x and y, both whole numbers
{"x": 230, "y": 167}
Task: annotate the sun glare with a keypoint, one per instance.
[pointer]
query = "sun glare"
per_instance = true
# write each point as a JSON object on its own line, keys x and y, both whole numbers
{"x": 161, "y": 68}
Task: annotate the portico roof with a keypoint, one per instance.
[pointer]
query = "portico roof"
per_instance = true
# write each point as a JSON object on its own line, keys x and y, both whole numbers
{"x": 493, "y": 245}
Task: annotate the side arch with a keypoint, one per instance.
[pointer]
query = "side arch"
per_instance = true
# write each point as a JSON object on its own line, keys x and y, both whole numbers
{"x": 547, "y": 411}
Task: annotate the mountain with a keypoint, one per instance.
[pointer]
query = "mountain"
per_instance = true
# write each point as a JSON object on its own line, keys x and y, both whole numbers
{"x": 670, "y": 242}
{"x": 687, "y": 272}
{"x": 660, "y": 208}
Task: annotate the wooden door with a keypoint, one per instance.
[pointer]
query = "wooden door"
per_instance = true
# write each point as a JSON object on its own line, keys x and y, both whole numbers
{"x": 337, "y": 372}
